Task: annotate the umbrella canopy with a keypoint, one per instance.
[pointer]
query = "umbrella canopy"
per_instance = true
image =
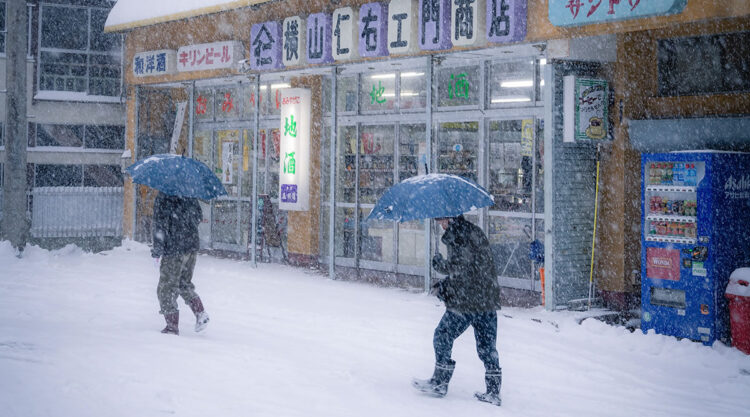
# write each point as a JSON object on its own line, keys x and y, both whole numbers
{"x": 178, "y": 176}
{"x": 430, "y": 196}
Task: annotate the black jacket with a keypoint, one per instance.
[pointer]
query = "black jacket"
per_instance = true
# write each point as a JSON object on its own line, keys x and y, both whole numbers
{"x": 471, "y": 285}
{"x": 175, "y": 225}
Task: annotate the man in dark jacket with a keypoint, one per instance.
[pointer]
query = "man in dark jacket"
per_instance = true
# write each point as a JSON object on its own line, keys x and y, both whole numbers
{"x": 176, "y": 242}
{"x": 472, "y": 297}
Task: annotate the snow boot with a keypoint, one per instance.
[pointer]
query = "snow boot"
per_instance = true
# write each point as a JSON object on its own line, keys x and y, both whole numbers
{"x": 173, "y": 321}
{"x": 201, "y": 317}
{"x": 437, "y": 386}
{"x": 493, "y": 379}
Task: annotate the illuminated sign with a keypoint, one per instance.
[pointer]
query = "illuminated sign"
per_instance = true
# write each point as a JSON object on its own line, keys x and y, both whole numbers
{"x": 586, "y": 109}
{"x": 294, "y": 150}
{"x": 582, "y": 12}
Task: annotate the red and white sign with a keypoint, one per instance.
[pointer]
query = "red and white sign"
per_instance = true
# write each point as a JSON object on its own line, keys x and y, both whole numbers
{"x": 663, "y": 263}
{"x": 208, "y": 56}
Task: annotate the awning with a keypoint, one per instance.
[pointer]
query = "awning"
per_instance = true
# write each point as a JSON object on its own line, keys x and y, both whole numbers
{"x": 129, "y": 14}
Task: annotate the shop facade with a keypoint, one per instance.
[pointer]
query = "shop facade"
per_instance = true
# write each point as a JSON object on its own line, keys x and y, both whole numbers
{"x": 490, "y": 109}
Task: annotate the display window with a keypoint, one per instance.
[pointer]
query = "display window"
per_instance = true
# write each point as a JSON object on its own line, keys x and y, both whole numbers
{"x": 458, "y": 85}
{"x": 511, "y": 83}
{"x": 457, "y": 149}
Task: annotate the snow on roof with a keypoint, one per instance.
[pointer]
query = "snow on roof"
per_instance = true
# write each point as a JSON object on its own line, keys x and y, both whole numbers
{"x": 129, "y": 14}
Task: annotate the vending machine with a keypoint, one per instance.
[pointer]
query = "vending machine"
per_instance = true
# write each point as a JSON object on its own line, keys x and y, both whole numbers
{"x": 695, "y": 230}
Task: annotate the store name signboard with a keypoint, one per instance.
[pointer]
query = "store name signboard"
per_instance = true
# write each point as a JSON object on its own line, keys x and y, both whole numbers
{"x": 373, "y": 30}
{"x": 586, "y": 109}
{"x": 294, "y": 150}
{"x": 208, "y": 56}
{"x": 582, "y": 12}
{"x": 265, "y": 46}
{"x": 506, "y": 20}
{"x": 319, "y": 39}
{"x": 149, "y": 63}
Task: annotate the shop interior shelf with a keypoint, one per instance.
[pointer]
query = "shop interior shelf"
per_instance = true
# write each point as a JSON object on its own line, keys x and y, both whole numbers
{"x": 671, "y": 239}
{"x": 671, "y": 188}
{"x": 671, "y": 218}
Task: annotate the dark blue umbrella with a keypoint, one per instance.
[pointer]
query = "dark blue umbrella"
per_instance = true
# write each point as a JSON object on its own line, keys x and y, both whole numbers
{"x": 430, "y": 196}
{"x": 178, "y": 176}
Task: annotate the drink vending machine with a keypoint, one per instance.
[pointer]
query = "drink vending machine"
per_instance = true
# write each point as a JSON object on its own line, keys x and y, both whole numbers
{"x": 695, "y": 230}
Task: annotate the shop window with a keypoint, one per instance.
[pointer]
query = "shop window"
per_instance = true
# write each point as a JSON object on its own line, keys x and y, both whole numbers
{"x": 458, "y": 86}
{"x": 204, "y": 105}
{"x": 347, "y": 164}
{"x": 509, "y": 240}
{"x": 345, "y": 236}
{"x": 247, "y": 163}
{"x": 2, "y": 134}
{"x": 376, "y": 238}
{"x": 270, "y": 96}
{"x": 457, "y": 149}
{"x": 512, "y": 83}
{"x": 413, "y": 90}
{"x": 375, "y": 162}
{"x": 58, "y": 175}
{"x": 224, "y": 217}
{"x": 247, "y": 98}
{"x": 704, "y": 64}
{"x": 102, "y": 176}
{"x": 412, "y": 161}
{"x": 346, "y": 94}
{"x": 86, "y": 60}
{"x": 510, "y": 164}
{"x": 228, "y": 103}
{"x": 202, "y": 146}
{"x": 378, "y": 92}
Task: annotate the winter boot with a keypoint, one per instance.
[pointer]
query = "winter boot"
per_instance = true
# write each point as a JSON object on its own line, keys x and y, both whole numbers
{"x": 493, "y": 379}
{"x": 173, "y": 321}
{"x": 201, "y": 317}
{"x": 437, "y": 386}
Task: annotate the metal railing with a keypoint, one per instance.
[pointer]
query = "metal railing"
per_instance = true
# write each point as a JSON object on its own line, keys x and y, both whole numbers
{"x": 76, "y": 212}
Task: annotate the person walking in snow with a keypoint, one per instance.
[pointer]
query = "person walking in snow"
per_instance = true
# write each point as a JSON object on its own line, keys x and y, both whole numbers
{"x": 175, "y": 236}
{"x": 472, "y": 297}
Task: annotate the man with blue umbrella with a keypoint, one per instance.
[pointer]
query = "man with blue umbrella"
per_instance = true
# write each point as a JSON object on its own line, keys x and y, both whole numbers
{"x": 181, "y": 182}
{"x": 472, "y": 297}
{"x": 176, "y": 242}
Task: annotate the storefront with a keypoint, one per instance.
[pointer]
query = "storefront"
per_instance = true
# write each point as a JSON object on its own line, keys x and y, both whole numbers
{"x": 443, "y": 91}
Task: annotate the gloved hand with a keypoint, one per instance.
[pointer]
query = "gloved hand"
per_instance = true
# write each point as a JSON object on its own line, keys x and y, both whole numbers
{"x": 438, "y": 262}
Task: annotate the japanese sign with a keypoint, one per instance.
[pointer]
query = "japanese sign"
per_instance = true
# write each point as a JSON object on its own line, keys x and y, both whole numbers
{"x": 506, "y": 20}
{"x": 294, "y": 150}
{"x": 434, "y": 24}
{"x": 586, "y": 12}
{"x": 161, "y": 62}
{"x": 319, "y": 39}
{"x": 373, "y": 30}
{"x": 265, "y": 46}
{"x": 208, "y": 56}
{"x": 466, "y": 26}
{"x": 344, "y": 33}
{"x": 401, "y": 31}
{"x": 293, "y": 41}
{"x": 586, "y": 109}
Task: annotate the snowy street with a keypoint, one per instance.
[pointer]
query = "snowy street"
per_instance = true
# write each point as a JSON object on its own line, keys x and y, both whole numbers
{"x": 79, "y": 337}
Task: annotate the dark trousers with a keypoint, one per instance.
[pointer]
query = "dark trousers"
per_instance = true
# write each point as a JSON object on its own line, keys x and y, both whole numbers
{"x": 453, "y": 324}
{"x": 175, "y": 279}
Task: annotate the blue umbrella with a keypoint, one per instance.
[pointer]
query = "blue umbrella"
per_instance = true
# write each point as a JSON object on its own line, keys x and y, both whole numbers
{"x": 430, "y": 196}
{"x": 178, "y": 176}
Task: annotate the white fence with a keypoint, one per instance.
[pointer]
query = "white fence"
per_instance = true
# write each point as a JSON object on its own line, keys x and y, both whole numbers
{"x": 76, "y": 212}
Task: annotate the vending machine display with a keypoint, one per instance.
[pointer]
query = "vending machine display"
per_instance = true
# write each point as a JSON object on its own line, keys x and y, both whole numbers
{"x": 695, "y": 231}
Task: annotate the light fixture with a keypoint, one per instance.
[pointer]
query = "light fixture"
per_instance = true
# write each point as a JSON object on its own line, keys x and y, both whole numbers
{"x": 411, "y": 74}
{"x": 517, "y": 83}
{"x": 510, "y": 99}
{"x": 543, "y": 61}
{"x": 383, "y": 76}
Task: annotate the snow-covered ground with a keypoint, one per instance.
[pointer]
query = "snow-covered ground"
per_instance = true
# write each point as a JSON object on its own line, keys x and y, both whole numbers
{"x": 79, "y": 336}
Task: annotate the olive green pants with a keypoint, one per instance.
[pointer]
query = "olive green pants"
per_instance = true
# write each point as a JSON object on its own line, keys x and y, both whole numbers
{"x": 175, "y": 278}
